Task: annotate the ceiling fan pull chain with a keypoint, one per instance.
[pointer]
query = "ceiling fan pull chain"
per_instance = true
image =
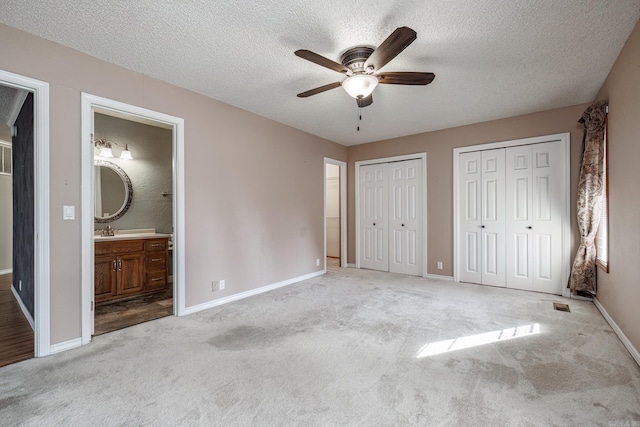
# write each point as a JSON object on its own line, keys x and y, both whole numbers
{"x": 359, "y": 118}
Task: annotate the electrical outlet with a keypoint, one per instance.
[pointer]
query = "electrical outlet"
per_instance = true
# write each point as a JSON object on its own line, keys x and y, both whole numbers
{"x": 439, "y": 265}
{"x": 318, "y": 262}
{"x": 217, "y": 285}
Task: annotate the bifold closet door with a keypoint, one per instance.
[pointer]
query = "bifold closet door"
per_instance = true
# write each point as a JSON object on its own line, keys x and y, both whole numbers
{"x": 391, "y": 218}
{"x": 469, "y": 220}
{"x": 534, "y": 225}
{"x": 374, "y": 220}
{"x": 482, "y": 217}
{"x": 405, "y": 217}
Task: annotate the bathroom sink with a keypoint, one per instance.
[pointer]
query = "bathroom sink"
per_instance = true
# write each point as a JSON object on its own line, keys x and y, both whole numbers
{"x": 130, "y": 235}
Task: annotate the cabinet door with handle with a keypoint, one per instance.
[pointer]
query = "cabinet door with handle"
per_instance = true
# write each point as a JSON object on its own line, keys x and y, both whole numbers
{"x": 130, "y": 273}
{"x": 105, "y": 277}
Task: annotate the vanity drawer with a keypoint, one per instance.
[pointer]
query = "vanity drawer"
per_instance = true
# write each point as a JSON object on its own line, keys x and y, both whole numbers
{"x": 120, "y": 246}
{"x": 156, "y": 280}
{"x": 156, "y": 261}
{"x": 155, "y": 245}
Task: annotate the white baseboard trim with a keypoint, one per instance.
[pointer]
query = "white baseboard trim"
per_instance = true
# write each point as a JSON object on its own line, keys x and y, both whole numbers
{"x": 7, "y": 271}
{"x": 246, "y": 294}
{"x": 351, "y": 265}
{"x": 634, "y": 351}
{"x": 579, "y": 297}
{"x": 439, "y": 277}
{"x": 66, "y": 345}
{"x": 23, "y": 308}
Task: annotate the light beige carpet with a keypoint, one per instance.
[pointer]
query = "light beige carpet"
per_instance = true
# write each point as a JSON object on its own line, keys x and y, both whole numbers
{"x": 353, "y": 347}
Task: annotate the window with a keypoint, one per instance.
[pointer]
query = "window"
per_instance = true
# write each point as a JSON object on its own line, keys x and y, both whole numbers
{"x": 5, "y": 158}
{"x": 602, "y": 237}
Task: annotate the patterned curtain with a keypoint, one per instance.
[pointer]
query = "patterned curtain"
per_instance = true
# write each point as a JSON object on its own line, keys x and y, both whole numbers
{"x": 590, "y": 191}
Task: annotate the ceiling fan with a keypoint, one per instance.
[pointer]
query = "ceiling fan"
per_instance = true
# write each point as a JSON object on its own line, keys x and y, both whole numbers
{"x": 361, "y": 64}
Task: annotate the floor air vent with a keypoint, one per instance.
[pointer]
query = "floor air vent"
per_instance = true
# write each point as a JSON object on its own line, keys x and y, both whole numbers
{"x": 561, "y": 307}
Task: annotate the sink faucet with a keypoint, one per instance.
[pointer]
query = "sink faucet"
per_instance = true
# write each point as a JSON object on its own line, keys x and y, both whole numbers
{"x": 107, "y": 231}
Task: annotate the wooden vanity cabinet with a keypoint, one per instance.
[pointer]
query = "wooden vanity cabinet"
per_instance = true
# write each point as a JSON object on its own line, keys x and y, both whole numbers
{"x": 130, "y": 267}
{"x": 156, "y": 264}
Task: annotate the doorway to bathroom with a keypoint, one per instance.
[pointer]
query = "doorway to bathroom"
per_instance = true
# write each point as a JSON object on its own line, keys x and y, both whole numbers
{"x": 133, "y": 228}
{"x": 132, "y": 222}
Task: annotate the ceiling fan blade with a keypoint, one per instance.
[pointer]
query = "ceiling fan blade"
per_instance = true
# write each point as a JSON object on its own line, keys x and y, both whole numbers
{"x": 391, "y": 47}
{"x": 321, "y": 60}
{"x": 319, "y": 90}
{"x": 364, "y": 102}
{"x": 405, "y": 78}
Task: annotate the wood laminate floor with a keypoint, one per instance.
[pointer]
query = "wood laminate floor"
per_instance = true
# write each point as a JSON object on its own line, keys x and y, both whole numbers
{"x": 112, "y": 316}
{"x": 16, "y": 335}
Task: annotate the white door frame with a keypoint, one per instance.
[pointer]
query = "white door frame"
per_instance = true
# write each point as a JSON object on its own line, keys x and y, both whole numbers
{"x": 421, "y": 156}
{"x": 89, "y": 103}
{"x": 42, "y": 304}
{"x": 343, "y": 210}
{"x": 560, "y": 138}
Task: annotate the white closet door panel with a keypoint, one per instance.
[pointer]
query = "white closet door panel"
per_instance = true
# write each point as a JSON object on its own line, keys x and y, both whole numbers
{"x": 414, "y": 253}
{"x": 544, "y": 256}
{"x": 493, "y": 217}
{"x": 472, "y": 257}
{"x": 490, "y": 249}
{"x": 413, "y": 219}
{"x": 405, "y": 222}
{"x": 374, "y": 232}
{"x": 380, "y": 255}
{"x": 547, "y": 169}
{"x": 397, "y": 209}
{"x": 469, "y": 221}
{"x": 397, "y": 254}
{"x": 518, "y": 217}
{"x": 522, "y": 257}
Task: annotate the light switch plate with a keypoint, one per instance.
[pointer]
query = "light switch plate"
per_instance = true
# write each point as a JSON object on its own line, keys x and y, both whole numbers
{"x": 68, "y": 212}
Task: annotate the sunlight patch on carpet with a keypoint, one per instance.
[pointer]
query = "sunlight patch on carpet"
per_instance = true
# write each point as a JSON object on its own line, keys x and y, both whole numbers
{"x": 446, "y": 346}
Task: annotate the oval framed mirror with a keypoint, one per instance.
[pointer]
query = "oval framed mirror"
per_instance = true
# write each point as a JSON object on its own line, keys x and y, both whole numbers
{"x": 113, "y": 191}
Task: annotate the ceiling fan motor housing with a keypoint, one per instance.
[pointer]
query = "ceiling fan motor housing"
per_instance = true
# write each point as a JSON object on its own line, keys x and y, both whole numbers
{"x": 355, "y": 58}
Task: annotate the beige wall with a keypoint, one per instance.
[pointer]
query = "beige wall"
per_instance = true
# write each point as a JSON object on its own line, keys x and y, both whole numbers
{"x": 254, "y": 188}
{"x": 619, "y": 290}
{"x": 439, "y": 147}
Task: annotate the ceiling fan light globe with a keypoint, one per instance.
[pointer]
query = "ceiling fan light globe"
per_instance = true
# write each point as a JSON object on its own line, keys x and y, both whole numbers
{"x": 360, "y": 85}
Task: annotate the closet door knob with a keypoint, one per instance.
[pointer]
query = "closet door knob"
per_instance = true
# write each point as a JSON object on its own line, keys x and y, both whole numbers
{"x": 403, "y": 225}
{"x": 482, "y": 226}
{"x": 529, "y": 227}
{"x": 374, "y": 224}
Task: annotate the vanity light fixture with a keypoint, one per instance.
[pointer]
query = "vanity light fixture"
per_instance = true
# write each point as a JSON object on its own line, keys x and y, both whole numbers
{"x": 126, "y": 154}
{"x": 105, "y": 149}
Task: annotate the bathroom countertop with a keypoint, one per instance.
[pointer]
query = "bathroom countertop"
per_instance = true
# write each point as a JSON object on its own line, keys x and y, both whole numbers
{"x": 130, "y": 235}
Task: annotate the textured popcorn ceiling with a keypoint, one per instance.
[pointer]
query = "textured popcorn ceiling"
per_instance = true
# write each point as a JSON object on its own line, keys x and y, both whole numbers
{"x": 8, "y": 97}
{"x": 492, "y": 58}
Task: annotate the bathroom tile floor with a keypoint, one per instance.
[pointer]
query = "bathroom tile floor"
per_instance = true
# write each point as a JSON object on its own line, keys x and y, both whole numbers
{"x": 112, "y": 316}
